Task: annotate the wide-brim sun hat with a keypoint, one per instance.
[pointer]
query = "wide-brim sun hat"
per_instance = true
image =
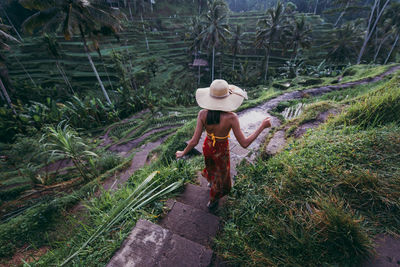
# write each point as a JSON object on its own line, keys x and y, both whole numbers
{"x": 220, "y": 96}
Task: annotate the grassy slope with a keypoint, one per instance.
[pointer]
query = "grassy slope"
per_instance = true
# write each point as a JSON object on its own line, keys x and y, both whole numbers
{"x": 56, "y": 229}
{"x": 322, "y": 200}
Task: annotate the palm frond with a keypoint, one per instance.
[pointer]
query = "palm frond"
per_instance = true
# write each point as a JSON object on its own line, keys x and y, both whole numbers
{"x": 39, "y": 19}
{"x": 37, "y": 4}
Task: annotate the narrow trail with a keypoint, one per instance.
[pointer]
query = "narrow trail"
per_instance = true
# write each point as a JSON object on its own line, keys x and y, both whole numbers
{"x": 184, "y": 236}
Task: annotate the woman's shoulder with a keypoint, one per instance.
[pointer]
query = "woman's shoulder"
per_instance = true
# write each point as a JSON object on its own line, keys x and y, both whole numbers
{"x": 231, "y": 114}
{"x": 202, "y": 112}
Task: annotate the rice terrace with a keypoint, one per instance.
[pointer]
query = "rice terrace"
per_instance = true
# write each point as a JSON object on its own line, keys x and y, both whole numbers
{"x": 200, "y": 133}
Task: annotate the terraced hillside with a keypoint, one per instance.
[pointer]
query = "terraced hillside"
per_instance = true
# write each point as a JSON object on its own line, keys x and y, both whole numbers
{"x": 166, "y": 45}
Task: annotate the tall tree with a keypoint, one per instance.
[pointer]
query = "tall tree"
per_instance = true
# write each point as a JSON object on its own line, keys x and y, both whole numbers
{"x": 372, "y": 22}
{"x": 269, "y": 30}
{"x": 236, "y": 43}
{"x": 4, "y": 38}
{"x": 88, "y": 19}
{"x": 54, "y": 49}
{"x": 215, "y": 27}
{"x": 299, "y": 35}
{"x": 345, "y": 6}
{"x": 343, "y": 43}
{"x": 393, "y": 16}
{"x": 193, "y": 36}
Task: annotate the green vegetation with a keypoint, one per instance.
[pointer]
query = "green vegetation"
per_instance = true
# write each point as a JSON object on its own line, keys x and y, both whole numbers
{"x": 321, "y": 201}
{"x": 104, "y": 209}
{"x": 377, "y": 108}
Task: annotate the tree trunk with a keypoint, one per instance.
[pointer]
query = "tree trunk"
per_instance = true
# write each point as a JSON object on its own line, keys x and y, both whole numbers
{"x": 369, "y": 31}
{"x": 4, "y": 91}
{"x": 12, "y": 25}
{"x": 316, "y": 6}
{"x": 130, "y": 10}
{"x": 342, "y": 13}
{"x": 391, "y": 50}
{"x": 145, "y": 35}
{"x": 233, "y": 63}
{"x": 64, "y": 76}
{"x": 2, "y": 97}
{"x": 380, "y": 46}
{"x": 94, "y": 67}
{"x": 212, "y": 68}
{"x": 266, "y": 64}
{"x": 27, "y": 73}
{"x": 108, "y": 76}
{"x": 198, "y": 81}
{"x": 220, "y": 65}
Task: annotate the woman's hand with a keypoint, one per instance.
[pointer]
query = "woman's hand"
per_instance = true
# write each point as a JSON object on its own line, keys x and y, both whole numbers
{"x": 266, "y": 122}
{"x": 179, "y": 154}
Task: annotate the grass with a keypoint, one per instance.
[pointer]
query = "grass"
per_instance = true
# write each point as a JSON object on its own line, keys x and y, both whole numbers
{"x": 378, "y": 107}
{"x": 316, "y": 204}
{"x": 102, "y": 208}
{"x": 321, "y": 201}
{"x": 335, "y": 210}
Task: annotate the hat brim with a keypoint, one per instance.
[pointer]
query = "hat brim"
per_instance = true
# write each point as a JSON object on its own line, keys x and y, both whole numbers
{"x": 228, "y": 103}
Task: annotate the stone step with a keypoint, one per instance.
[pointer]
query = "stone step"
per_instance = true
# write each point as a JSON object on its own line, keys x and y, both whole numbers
{"x": 195, "y": 196}
{"x": 191, "y": 223}
{"x": 151, "y": 245}
{"x": 276, "y": 144}
{"x": 202, "y": 181}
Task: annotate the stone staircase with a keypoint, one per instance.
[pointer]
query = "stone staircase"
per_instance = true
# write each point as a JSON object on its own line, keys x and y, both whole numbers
{"x": 182, "y": 238}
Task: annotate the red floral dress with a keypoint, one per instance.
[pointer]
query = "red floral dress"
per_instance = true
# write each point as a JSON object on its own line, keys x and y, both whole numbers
{"x": 217, "y": 170}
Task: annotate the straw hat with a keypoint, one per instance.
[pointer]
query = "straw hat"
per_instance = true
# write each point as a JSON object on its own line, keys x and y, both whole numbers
{"x": 220, "y": 96}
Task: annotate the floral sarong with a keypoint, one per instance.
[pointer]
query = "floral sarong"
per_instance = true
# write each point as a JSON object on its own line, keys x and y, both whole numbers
{"x": 217, "y": 170}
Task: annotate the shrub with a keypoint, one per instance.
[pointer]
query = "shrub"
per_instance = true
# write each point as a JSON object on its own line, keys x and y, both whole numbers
{"x": 106, "y": 161}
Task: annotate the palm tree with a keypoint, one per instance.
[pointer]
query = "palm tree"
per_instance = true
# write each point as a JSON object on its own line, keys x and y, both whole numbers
{"x": 344, "y": 42}
{"x": 269, "y": 30}
{"x": 54, "y": 49}
{"x": 215, "y": 27}
{"x": 193, "y": 36}
{"x": 393, "y": 14}
{"x": 372, "y": 22}
{"x": 236, "y": 43}
{"x": 88, "y": 19}
{"x": 345, "y": 6}
{"x": 299, "y": 35}
{"x": 4, "y": 38}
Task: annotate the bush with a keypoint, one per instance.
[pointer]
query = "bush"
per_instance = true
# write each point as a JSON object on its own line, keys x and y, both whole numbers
{"x": 106, "y": 161}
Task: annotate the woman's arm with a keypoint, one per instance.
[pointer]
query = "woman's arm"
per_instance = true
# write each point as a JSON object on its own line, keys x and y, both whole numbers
{"x": 196, "y": 136}
{"x": 243, "y": 141}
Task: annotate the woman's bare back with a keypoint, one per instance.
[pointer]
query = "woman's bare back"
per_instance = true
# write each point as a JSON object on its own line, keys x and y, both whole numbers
{"x": 223, "y": 128}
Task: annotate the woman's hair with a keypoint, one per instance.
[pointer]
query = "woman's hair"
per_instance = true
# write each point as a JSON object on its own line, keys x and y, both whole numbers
{"x": 213, "y": 117}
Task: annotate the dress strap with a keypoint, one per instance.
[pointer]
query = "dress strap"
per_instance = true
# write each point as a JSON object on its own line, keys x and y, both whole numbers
{"x": 214, "y": 138}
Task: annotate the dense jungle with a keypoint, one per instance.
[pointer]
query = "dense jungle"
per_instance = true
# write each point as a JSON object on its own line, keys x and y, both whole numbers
{"x": 96, "y": 96}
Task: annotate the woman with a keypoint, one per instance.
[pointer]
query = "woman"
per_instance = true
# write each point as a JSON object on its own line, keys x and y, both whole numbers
{"x": 218, "y": 101}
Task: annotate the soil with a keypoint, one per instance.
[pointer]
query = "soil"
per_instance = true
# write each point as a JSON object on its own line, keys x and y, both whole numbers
{"x": 123, "y": 149}
{"x": 27, "y": 254}
{"x": 321, "y": 118}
